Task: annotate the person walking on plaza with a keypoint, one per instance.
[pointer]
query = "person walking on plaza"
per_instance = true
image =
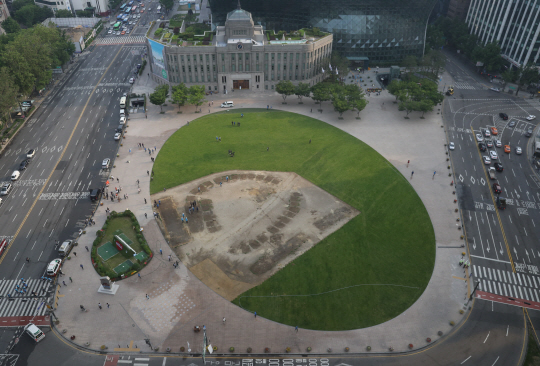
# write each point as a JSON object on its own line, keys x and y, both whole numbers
{"x": 100, "y": 307}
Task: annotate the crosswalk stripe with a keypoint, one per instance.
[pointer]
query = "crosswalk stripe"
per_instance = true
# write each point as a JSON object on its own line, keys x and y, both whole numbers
{"x": 489, "y": 285}
{"x": 531, "y": 292}
{"x": 536, "y": 295}
{"x": 535, "y": 285}
{"x": 520, "y": 293}
{"x": 474, "y": 269}
{"x": 504, "y": 276}
{"x": 484, "y": 269}
{"x": 514, "y": 278}
{"x": 504, "y": 289}
{"x": 529, "y": 281}
{"x": 499, "y": 275}
{"x": 515, "y": 291}
{"x": 519, "y": 278}
{"x": 500, "y": 290}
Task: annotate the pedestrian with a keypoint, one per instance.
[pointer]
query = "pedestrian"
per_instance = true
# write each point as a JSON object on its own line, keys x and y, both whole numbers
{"x": 197, "y": 208}
{"x": 296, "y": 328}
{"x": 161, "y": 251}
{"x": 145, "y": 215}
{"x": 147, "y": 297}
{"x": 28, "y": 259}
{"x": 64, "y": 282}
{"x": 435, "y": 172}
{"x": 108, "y": 305}
{"x": 139, "y": 190}
{"x": 412, "y": 173}
{"x": 127, "y": 195}
{"x": 220, "y": 184}
{"x": 311, "y": 110}
{"x": 145, "y": 201}
{"x": 159, "y": 202}
{"x": 227, "y": 177}
{"x": 100, "y": 307}
{"x": 224, "y": 320}
{"x": 255, "y": 313}
{"x": 268, "y": 148}
{"x": 118, "y": 180}
{"x": 186, "y": 220}
{"x": 70, "y": 280}
{"x": 408, "y": 161}
{"x": 461, "y": 262}
{"x": 82, "y": 266}
{"x": 139, "y": 275}
{"x": 148, "y": 172}
{"x": 169, "y": 257}
{"x": 75, "y": 254}
{"x": 310, "y": 141}
{"x": 182, "y": 219}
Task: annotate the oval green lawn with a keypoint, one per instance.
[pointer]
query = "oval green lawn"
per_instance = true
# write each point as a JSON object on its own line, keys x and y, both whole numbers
{"x": 380, "y": 262}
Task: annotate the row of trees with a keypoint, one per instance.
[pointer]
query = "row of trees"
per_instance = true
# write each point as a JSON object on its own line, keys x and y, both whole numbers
{"x": 343, "y": 97}
{"x": 181, "y": 94}
{"x": 415, "y": 94}
{"x": 26, "y": 60}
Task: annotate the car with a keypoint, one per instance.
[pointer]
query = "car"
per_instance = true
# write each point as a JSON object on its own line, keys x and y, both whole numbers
{"x": 487, "y": 133}
{"x": 30, "y": 154}
{"x": 142, "y": 10}
{"x": 494, "y": 131}
{"x": 489, "y": 143}
{"x": 499, "y": 167}
{"x": 128, "y": 31}
{"x": 493, "y": 155}
{"x": 139, "y": 15}
{"x": 138, "y": 66}
{"x": 507, "y": 149}
{"x": 497, "y": 188}
{"x": 118, "y": 33}
{"x": 3, "y": 245}
{"x": 487, "y": 160}
{"x": 482, "y": 146}
{"x": 110, "y": 31}
{"x": 142, "y": 4}
{"x": 106, "y": 162}
{"x": 124, "y": 94}
{"x": 512, "y": 123}
{"x": 495, "y": 89}
{"x": 117, "y": 136}
{"x": 530, "y": 117}
{"x": 24, "y": 164}
{"x": 529, "y": 132}
{"x": 6, "y": 188}
{"x": 149, "y": 9}
{"x": 122, "y": 120}
{"x": 130, "y": 23}
{"x": 451, "y": 146}
{"x": 504, "y": 116}
{"x": 518, "y": 150}
{"x": 479, "y": 137}
{"x": 123, "y": 32}
{"x": 15, "y": 175}
{"x": 498, "y": 143}
{"x": 53, "y": 267}
{"x": 131, "y": 80}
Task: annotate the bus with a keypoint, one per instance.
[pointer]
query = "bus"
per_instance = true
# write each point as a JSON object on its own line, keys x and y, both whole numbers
{"x": 117, "y": 26}
{"x": 119, "y": 17}
{"x": 128, "y": 10}
{"x": 133, "y": 9}
{"x": 123, "y": 7}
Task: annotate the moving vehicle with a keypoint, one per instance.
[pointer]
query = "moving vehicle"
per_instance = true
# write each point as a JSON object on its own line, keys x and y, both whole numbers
{"x": 497, "y": 188}
{"x": 499, "y": 167}
{"x": 30, "y": 154}
{"x": 230, "y": 104}
{"x": 482, "y": 146}
{"x": 493, "y": 155}
{"x": 65, "y": 248}
{"x": 529, "y": 132}
{"x": 495, "y": 89}
{"x": 489, "y": 143}
{"x": 487, "y": 133}
{"x": 501, "y": 203}
{"x": 123, "y": 7}
{"x": 518, "y": 150}
{"x": 53, "y": 267}
{"x": 6, "y": 188}
{"x": 109, "y": 31}
{"x": 117, "y": 26}
{"x": 507, "y": 149}
{"x": 451, "y": 146}
{"x": 24, "y": 164}
{"x": 498, "y": 143}
{"x": 450, "y": 90}
{"x": 34, "y": 332}
{"x": 487, "y": 160}
{"x": 479, "y": 136}
{"x": 3, "y": 245}
{"x": 494, "y": 131}
{"x": 512, "y": 123}
{"x": 491, "y": 172}
{"x": 530, "y": 117}
{"x": 105, "y": 164}
{"x": 15, "y": 175}
{"x": 504, "y": 116}
{"x": 131, "y": 80}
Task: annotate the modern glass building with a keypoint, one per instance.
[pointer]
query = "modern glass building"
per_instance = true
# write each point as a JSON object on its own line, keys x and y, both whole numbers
{"x": 364, "y": 30}
{"x": 513, "y": 24}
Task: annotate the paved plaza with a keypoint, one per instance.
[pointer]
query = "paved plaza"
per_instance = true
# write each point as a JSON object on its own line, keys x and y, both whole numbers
{"x": 165, "y": 303}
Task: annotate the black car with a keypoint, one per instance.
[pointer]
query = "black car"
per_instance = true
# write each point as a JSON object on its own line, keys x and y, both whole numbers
{"x": 482, "y": 146}
{"x": 497, "y": 188}
{"x": 95, "y": 194}
{"x": 499, "y": 167}
{"x": 24, "y": 164}
{"x": 503, "y": 116}
{"x": 529, "y": 132}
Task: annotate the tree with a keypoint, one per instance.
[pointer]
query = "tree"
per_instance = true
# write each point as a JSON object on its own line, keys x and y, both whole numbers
{"x": 321, "y": 92}
{"x": 394, "y": 88}
{"x": 409, "y": 62}
{"x": 528, "y": 75}
{"x": 434, "y": 37}
{"x": 285, "y": 88}
{"x": 10, "y": 25}
{"x": 359, "y": 105}
{"x": 408, "y": 106}
{"x": 25, "y": 15}
{"x": 159, "y": 96}
{"x": 196, "y": 95}
{"x": 8, "y": 92}
{"x": 340, "y": 102}
{"x": 302, "y": 90}
{"x": 18, "y": 4}
{"x": 168, "y": 4}
{"x": 489, "y": 55}
{"x": 425, "y": 106}
{"x": 180, "y": 94}
{"x": 63, "y": 13}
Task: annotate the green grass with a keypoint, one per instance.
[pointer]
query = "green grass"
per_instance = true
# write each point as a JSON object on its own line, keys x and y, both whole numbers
{"x": 533, "y": 352}
{"x": 391, "y": 242}
{"x": 124, "y": 224}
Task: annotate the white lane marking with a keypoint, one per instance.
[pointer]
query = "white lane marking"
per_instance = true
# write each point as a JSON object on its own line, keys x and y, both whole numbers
{"x": 466, "y": 360}
{"x": 486, "y": 337}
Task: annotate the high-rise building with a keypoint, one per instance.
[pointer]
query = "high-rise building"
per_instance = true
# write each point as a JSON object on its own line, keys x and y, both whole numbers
{"x": 4, "y": 13}
{"x": 513, "y": 24}
{"x": 457, "y": 9}
{"x": 364, "y": 30}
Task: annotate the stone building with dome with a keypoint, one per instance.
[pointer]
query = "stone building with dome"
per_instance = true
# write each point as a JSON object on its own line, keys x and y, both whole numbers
{"x": 238, "y": 55}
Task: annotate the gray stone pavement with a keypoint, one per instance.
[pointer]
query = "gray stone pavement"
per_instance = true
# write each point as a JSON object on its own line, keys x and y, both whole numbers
{"x": 178, "y": 300}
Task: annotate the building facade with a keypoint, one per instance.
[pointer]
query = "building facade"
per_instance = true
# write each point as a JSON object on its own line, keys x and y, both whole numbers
{"x": 511, "y": 23}
{"x": 4, "y": 14}
{"x": 457, "y": 9}
{"x": 241, "y": 56}
{"x": 364, "y": 30}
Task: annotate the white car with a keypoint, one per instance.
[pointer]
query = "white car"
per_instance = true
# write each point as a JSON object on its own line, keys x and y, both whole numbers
{"x": 6, "y": 188}
{"x": 487, "y": 133}
{"x": 451, "y": 146}
{"x": 479, "y": 137}
{"x": 53, "y": 267}
{"x": 487, "y": 160}
{"x": 131, "y": 80}
{"x": 530, "y": 118}
{"x": 122, "y": 120}
{"x": 498, "y": 143}
{"x": 493, "y": 155}
{"x": 495, "y": 89}
{"x": 117, "y": 136}
{"x": 16, "y": 174}
{"x": 30, "y": 154}
{"x": 518, "y": 150}
{"x": 105, "y": 164}
{"x": 110, "y": 31}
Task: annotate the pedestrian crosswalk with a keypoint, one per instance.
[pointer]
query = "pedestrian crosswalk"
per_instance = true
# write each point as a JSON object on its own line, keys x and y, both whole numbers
{"x": 506, "y": 283}
{"x": 459, "y": 85}
{"x": 120, "y": 40}
{"x": 24, "y": 298}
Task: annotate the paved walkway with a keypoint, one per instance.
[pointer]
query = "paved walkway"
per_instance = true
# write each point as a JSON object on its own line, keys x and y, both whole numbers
{"x": 177, "y": 300}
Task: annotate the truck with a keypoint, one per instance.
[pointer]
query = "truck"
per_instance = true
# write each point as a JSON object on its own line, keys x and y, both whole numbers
{"x": 491, "y": 172}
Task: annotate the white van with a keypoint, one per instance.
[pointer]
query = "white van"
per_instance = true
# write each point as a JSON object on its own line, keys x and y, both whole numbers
{"x": 123, "y": 102}
{"x": 65, "y": 248}
{"x": 228, "y": 104}
{"x": 34, "y": 332}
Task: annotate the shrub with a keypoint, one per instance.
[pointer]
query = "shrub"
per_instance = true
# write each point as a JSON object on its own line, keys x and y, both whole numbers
{"x": 158, "y": 32}
{"x": 176, "y": 30}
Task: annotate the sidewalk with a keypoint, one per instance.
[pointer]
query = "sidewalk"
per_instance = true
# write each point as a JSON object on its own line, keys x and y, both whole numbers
{"x": 178, "y": 300}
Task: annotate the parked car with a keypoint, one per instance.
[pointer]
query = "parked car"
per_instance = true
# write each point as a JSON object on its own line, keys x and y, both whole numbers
{"x": 451, "y": 146}
{"x": 131, "y": 80}
{"x": 495, "y": 89}
{"x": 53, "y": 267}
{"x": 117, "y": 136}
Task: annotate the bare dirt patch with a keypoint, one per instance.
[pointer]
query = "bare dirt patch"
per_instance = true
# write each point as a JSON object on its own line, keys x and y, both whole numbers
{"x": 240, "y": 232}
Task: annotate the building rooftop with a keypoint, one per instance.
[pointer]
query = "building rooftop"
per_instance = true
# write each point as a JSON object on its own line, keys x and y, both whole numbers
{"x": 239, "y": 14}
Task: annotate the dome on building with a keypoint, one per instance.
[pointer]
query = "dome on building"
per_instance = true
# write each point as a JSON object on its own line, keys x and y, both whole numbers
{"x": 239, "y": 14}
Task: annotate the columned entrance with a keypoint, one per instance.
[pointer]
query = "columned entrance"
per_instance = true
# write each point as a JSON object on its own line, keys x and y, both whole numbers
{"x": 240, "y": 84}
